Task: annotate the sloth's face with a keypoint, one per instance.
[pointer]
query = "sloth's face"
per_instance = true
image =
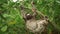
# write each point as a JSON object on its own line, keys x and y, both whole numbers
{"x": 29, "y": 16}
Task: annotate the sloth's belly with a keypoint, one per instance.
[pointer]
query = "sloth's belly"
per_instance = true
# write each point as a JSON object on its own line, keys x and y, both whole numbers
{"x": 31, "y": 25}
{"x": 35, "y": 26}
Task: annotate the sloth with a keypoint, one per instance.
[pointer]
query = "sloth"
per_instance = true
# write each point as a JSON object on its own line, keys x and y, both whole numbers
{"x": 33, "y": 25}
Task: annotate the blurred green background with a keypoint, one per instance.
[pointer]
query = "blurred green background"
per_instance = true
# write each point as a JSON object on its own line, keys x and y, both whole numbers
{"x": 11, "y": 21}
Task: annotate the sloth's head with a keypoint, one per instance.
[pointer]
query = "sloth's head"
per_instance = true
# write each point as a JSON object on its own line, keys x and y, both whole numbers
{"x": 28, "y": 16}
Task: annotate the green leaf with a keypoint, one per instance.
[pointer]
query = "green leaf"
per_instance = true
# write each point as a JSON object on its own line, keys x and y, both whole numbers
{"x": 3, "y": 29}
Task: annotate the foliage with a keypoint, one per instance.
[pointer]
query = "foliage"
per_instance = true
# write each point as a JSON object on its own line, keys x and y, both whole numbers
{"x": 11, "y": 21}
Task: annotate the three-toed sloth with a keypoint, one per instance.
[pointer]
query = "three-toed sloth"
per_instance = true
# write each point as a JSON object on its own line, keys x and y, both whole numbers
{"x": 34, "y": 25}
